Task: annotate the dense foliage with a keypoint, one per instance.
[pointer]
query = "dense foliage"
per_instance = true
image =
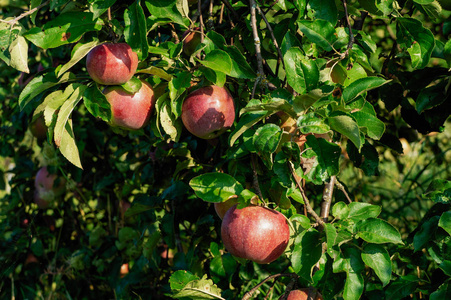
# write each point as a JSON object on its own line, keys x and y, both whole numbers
{"x": 341, "y": 125}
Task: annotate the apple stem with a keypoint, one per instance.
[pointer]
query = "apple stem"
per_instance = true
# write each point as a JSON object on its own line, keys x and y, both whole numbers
{"x": 306, "y": 201}
{"x": 249, "y": 294}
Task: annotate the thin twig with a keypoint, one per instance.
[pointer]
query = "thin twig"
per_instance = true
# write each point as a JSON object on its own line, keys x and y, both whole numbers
{"x": 258, "y": 52}
{"x": 342, "y": 188}
{"x": 306, "y": 201}
{"x": 230, "y": 8}
{"x": 255, "y": 183}
{"x": 249, "y": 294}
{"x": 351, "y": 35}
{"x": 327, "y": 198}
{"x": 27, "y": 13}
{"x": 201, "y": 20}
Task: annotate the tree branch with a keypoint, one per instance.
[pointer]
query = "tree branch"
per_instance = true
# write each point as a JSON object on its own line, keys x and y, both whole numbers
{"x": 327, "y": 198}
{"x": 351, "y": 35}
{"x": 249, "y": 294}
{"x": 306, "y": 201}
{"x": 27, "y": 13}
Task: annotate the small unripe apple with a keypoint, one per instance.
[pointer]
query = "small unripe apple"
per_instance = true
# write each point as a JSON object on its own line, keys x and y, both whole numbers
{"x": 222, "y": 207}
{"x": 208, "y": 111}
{"x": 112, "y": 64}
{"x": 256, "y": 233}
{"x": 303, "y": 294}
{"x": 38, "y": 128}
{"x": 47, "y": 187}
{"x": 130, "y": 111}
{"x": 190, "y": 40}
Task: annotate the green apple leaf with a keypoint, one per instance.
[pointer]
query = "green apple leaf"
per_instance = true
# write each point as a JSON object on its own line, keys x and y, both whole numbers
{"x": 218, "y": 60}
{"x": 306, "y": 253}
{"x": 245, "y": 122}
{"x": 19, "y": 54}
{"x": 374, "y": 127}
{"x": 157, "y": 72}
{"x": 360, "y": 86}
{"x": 347, "y": 126}
{"x": 439, "y": 190}
{"x": 324, "y": 9}
{"x": 67, "y": 145}
{"x": 360, "y": 211}
{"x": 431, "y": 96}
{"x": 426, "y": 233}
{"x": 267, "y": 138}
{"x": 135, "y": 31}
{"x": 79, "y": 51}
{"x": 327, "y": 156}
{"x": 402, "y": 287}
{"x": 240, "y": 67}
{"x": 443, "y": 292}
{"x": 96, "y": 103}
{"x": 320, "y": 32}
{"x": 199, "y": 289}
{"x": 302, "y": 73}
{"x": 311, "y": 123}
{"x": 377, "y": 258}
{"x": 53, "y": 102}
{"x": 170, "y": 124}
{"x": 215, "y": 187}
{"x": 99, "y": 7}
{"x": 349, "y": 260}
{"x": 445, "y": 221}
{"x": 418, "y": 40}
{"x": 340, "y": 210}
{"x": 64, "y": 29}
{"x": 165, "y": 10}
{"x": 377, "y": 231}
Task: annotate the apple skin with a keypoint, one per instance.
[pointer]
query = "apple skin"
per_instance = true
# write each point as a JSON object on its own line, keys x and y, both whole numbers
{"x": 222, "y": 207}
{"x": 47, "y": 187}
{"x": 208, "y": 112}
{"x": 38, "y": 128}
{"x": 302, "y": 294}
{"x": 111, "y": 64}
{"x": 130, "y": 111}
{"x": 191, "y": 38}
{"x": 256, "y": 233}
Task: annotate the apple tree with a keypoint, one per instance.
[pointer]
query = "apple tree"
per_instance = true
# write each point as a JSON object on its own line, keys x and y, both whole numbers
{"x": 225, "y": 149}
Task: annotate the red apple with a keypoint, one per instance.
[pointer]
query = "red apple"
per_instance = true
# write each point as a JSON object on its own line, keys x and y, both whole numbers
{"x": 112, "y": 64}
{"x": 208, "y": 111}
{"x": 38, "y": 128}
{"x": 130, "y": 111}
{"x": 222, "y": 207}
{"x": 191, "y": 38}
{"x": 304, "y": 294}
{"x": 47, "y": 187}
{"x": 256, "y": 233}
{"x": 124, "y": 270}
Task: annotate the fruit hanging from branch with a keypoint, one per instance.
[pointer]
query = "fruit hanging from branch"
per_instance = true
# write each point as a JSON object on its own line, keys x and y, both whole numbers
{"x": 130, "y": 111}
{"x": 112, "y": 64}
{"x": 256, "y": 233}
{"x": 208, "y": 111}
{"x": 48, "y": 187}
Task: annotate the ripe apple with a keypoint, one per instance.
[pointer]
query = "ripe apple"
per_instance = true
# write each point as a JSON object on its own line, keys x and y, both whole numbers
{"x": 130, "y": 111}
{"x": 256, "y": 233}
{"x": 303, "y": 294}
{"x": 124, "y": 270}
{"x": 191, "y": 38}
{"x": 208, "y": 111}
{"x": 112, "y": 64}
{"x": 48, "y": 186}
{"x": 38, "y": 128}
{"x": 222, "y": 207}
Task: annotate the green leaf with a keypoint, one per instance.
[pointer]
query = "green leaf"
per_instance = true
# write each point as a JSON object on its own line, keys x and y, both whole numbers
{"x": 19, "y": 54}
{"x": 378, "y": 259}
{"x": 171, "y": 125}
{"x": 320, "y": 32}
{"x": 302, "y": 73}
{"x": 53, "y": 102}
{"x": 215, "y": 187}
{"x": 439, "y": 190}
{"x": 377, "y": 231}
{"x": 165, "y": 10}
{"x": 340, "y": 210}
{"x": 66, "y": 110}
{"x": 443, "y": 292}
{"x": 311, "y": 123}
{"x": 245, "y": 122}
{"x": 282, "y": 170}
{"x": 347, "y": 126}
{"x": 267, "y": 138}
{"x": 99, "y": 7}
{"x": 324, "y": 9}
{"x": 68, "y": 147}
{"x": 445, "y": 221}
{"x": 431, "y": 96}
{"x": 331, "y": 236}
{"x": 132, "y": 86}
{"x": 179, "y": 279}
{"x": 80, "y": 51}
{"x": 135, "y": 31}
{"x": 426, "y": 233}
{"x": 354, "y": 285}
{"x": 271, "y": 107}
{"x": 418, "y": 40}
{"x": 327, "y": 155}
{"x": 64, "y": 29}
{"x": 360, "y": 86}
{"x": 38, "y": 85}
{"x": 199, "y": 289}
{"x": 306, "y": 253}
{"x": 360, "y": 211}
{"x": 303, "y": 102}
{"x": 374, "y": 127}
{"x": 401, "y": 287}
{"x": 157, "y": 72}
{"x": 240, "y": 67}
{"x": 96, "y": 103}
{"x": 366, "y": 159}
{"x": 350, "y": 261}
{"x": 218, "y": 60}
